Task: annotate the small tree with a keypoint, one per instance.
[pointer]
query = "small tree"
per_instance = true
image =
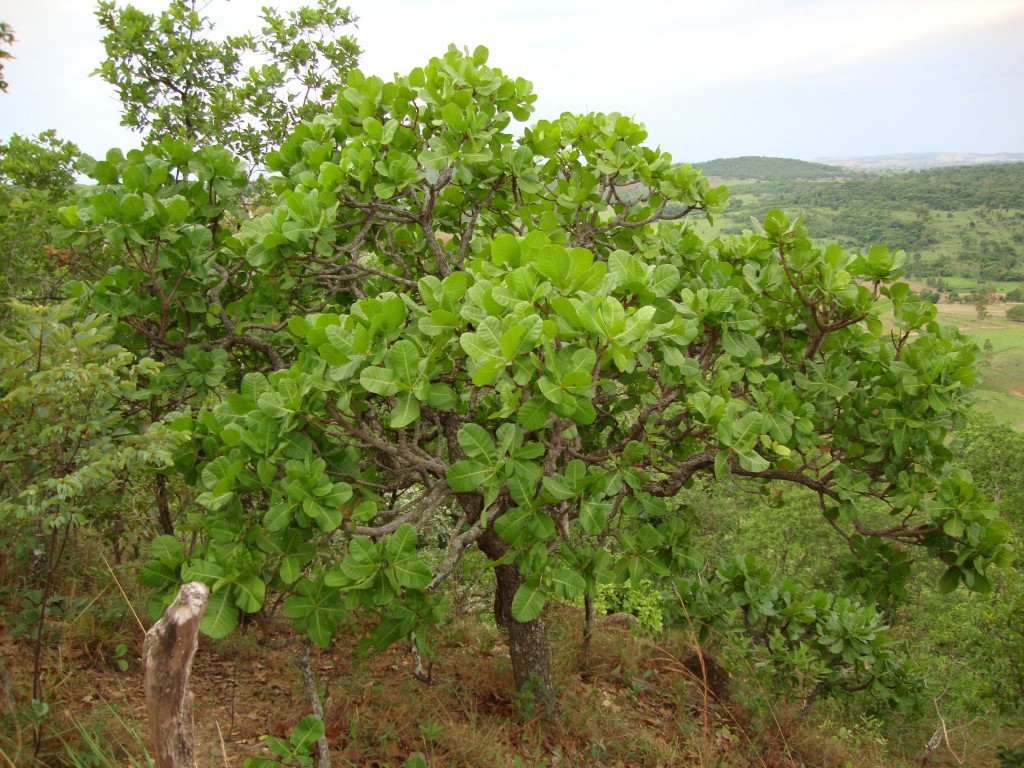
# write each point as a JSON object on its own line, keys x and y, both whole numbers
{"x": 66, "y": 449}
{"x": 36, "y": 179}
{"x": 981, "y": 307}
{"x": 523, "y": 339}
{"x": 1016, "y": 313}
{"x": 175, "y": 80}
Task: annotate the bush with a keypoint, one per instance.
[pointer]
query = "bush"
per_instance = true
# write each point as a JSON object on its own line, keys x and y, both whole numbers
{"x": 1016, "y": 313}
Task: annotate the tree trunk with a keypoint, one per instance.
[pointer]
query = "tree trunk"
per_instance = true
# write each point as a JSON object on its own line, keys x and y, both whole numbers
{"x": 588, "y": 631}
{"x": 527, "y": 641}
{"x": 167, "y": 655}
{"x": 7, "y": 701}
{"x": 163, "y": 506}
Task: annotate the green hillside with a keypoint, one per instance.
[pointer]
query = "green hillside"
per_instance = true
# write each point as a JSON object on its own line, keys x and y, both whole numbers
{"x": 770, "y": 169}
{"x": 965, "y": 223}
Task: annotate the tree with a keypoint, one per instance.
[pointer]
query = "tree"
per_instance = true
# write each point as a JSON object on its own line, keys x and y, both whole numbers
{"x": 36, "y": 179}
{"x": 66, "y": 450}
{"x": 175, "y": 80}
{"x": 1016, "y": 313}
{"x": 432, "y": 322}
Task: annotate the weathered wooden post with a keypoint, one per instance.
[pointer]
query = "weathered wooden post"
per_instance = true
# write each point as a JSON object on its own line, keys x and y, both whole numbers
{"x": 167, "y": 656}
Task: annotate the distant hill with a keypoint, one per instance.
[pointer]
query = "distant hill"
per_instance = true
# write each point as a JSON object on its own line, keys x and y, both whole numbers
{"x": 911, "y": 161}
{"x": 963, "y": 222}
{"x": 769, "y": 169}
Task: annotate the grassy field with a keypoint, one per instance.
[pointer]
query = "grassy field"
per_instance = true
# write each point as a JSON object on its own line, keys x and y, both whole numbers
{"x": 1000, "y": 388}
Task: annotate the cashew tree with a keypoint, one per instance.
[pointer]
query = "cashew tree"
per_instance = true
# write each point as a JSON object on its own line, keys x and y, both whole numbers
{"x": 431, "y": 318}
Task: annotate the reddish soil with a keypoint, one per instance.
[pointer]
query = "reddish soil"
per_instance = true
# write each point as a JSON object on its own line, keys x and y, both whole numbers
{"x": 635, "y": 704}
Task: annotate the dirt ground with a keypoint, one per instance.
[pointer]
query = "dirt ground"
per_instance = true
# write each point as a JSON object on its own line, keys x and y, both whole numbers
{"x": 635, "y": 703}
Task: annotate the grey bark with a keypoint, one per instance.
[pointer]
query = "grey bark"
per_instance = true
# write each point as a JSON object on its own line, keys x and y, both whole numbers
{"x": 167, "y": 654}
{"x": 527, "y": 640}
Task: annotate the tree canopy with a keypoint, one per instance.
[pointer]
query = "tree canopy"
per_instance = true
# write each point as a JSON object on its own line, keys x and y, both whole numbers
{"x": 429, "y": 324}
{"x": 175, "y": 80}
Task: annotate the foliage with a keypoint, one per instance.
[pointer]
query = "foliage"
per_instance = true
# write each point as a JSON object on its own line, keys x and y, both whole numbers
{"x": 966, "y": 222}
{"x": 991, "y": 451}
{"x": 297, "y": 749}
{"x": 643, "y": 602}
{"x": 940, "y": 189}
{"x": 36, "y": 179}
{"x": 6, "y": 38}
{"x": 1016, "y": 313}
{"x": 67, "y": 448}
{"x": 175, "y": 80}
{"x": 545, "y": 379}
{"x": 66, "y": 443}
{"x": 1011, "y": 757}
{"x": 807, "y": 641}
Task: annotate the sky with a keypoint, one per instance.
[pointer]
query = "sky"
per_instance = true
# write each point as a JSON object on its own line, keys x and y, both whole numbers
{"x": 807, "y": 79}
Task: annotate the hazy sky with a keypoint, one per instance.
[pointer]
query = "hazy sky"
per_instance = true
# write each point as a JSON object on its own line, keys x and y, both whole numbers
{"x": 715, "y": 78}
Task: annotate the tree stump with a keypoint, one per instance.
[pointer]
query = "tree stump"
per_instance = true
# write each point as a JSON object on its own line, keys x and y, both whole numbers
{"x": 167, "y": 656}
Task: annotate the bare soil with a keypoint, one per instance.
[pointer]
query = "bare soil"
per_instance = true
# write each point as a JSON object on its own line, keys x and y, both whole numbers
{"x": 631, "y": 703}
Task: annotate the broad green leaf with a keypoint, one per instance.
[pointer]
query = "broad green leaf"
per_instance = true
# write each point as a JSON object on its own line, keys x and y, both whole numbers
{"x": 412, "y": 573}
{"x": 477, "y": 443}
{"x": 307, "y": 732}
{"x": 154, "y": 573}
{"x": 566, "y": 584}
{"x": 594, "y": 516}
{"x": 528, "y": 601}
{"x": 402, "y": 543}
{"x": 949, "y": 580}
{"x": 380, "y": 381}
{"x": 405, "y": 412}
{"x": 221, "y": 616}
{"x": 249, "y": 592}
{"x": 167, "y": 548}
{"x": 534, "y": 413}
{"x": 198, "y": 569}
{"x": 465, "y": 476}
{"x": 404, "y": 361}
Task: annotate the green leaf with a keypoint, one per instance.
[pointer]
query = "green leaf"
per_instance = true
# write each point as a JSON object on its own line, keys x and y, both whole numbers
{"x": 221, "y": 616}
{"x": 154, "y": 573}
{"x": 534, "y": 413}
{"x": 949, "y": 580}
{"x": 402, "y": 543}
{"x": 404, "y": 361}
{"x": 307, "y": 732}
{"x": 380, "y": 381}
{"x": 198, "y": 569}
{"x": 528, "y": 601}
{"x": 565, "y": 583}
{"x": 412, "y": 573}
{"x": 594, "y": 516}
{"x": 167, "y": 548}
{"x": 405, "y": 412}
{"x": 465, "y": 476}
{"x": 477, "y": 443}
{"x": 249, "y": 592}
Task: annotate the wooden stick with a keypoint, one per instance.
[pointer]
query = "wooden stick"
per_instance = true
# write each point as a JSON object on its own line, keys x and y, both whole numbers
{"x": 167, "y": 655}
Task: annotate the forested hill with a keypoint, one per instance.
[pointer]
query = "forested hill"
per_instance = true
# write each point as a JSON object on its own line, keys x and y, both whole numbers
{"x": 943, "y": 189}
{"x": 965, "y": 221}
{"x": 770, "y": 169}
